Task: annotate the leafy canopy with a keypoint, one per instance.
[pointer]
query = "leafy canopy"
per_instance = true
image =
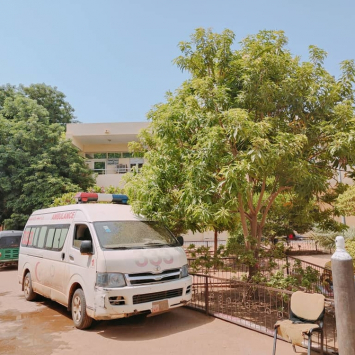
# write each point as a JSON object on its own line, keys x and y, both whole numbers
{"x": 253, "y": 135}
{"x": 37, "y": 163}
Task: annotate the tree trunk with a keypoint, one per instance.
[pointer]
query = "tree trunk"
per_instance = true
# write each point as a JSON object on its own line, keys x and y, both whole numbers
{"x": 253, "y": 269}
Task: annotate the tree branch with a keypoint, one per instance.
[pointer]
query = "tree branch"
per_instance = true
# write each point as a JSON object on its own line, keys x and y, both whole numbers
{"x": 271, "y": 201}
{"x": 243, "y": 220}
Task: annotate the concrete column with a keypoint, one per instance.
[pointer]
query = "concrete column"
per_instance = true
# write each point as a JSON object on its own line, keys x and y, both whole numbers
{"x": 344, "y": 298}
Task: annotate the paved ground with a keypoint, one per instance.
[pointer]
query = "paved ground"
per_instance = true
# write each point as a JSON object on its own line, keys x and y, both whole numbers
{"x": 45, "y": 328}
{"x": 319, "y": 259}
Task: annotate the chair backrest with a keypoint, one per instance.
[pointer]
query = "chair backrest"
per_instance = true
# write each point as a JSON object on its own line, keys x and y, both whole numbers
{"x": 307, "y": 306}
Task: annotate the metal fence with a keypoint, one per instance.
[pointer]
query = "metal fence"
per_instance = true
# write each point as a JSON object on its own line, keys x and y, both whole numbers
{"x": 306, "y": 245}
{"x": 204, "y": 243}
{"x": 230, "y": 268}
{"x": 253, "y": 306}
{"x": 324, "y": 282}
{"x": 298, "y": 246}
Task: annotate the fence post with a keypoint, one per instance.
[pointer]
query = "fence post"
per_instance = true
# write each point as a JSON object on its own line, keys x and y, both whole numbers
{"x": 344, "y": 297}
{"x": 206, "y": 296}
{"x": 287, "y": 266}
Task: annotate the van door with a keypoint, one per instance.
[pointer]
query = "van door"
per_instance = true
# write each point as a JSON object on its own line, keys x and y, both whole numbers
{"x": 55, "y": 260}
{"x": 82, "y": 267}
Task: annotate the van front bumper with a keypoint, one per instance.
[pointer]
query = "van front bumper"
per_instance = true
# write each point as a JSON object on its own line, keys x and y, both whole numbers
{"x": 113, "y": 303}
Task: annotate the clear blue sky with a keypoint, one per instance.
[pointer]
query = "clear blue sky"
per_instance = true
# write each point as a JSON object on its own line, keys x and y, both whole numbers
{"x": 113, "y": 58}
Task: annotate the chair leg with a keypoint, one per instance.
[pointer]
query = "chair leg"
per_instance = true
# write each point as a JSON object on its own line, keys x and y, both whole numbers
{"x": 321, "y": 341}
{"x": 275, "y": 339}
{"x": 309, "y": 344}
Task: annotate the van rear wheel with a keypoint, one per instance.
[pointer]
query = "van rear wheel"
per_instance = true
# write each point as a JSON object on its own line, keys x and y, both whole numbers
{"x": 78, "y": 310}
{"x": 27, "y": 288}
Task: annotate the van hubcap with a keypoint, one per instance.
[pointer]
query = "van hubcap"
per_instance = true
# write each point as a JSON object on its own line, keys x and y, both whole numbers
{"x": 77, "y": 308}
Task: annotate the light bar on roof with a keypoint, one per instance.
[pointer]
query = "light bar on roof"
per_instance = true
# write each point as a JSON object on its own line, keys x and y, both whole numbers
{"x": 83, "y": 197}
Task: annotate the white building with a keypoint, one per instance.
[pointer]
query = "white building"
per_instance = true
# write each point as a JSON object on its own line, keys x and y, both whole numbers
{"x": 105, "y": 147}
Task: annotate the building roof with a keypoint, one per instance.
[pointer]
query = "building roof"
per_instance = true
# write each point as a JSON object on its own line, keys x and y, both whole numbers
{"x": 104, "y": 133}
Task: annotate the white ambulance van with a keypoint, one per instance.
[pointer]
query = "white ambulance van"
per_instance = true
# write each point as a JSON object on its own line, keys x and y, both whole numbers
{"x": 101, "y": 261}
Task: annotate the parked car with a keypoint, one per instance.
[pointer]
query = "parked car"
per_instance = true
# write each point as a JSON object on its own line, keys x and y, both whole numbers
{"x": 9, "y": 247}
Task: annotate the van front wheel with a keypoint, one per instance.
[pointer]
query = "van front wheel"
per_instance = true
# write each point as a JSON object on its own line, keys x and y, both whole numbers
{"x": 78, "y": 310}
{"x": 27, "y": 288}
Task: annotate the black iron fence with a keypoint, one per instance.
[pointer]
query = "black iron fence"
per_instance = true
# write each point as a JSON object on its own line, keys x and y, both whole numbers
{"x": 309, "y": 276}
{"x": 204, "y": 243}
{"x": 298, "y": 246}
{"x": 306, "y": 245}
{"x": 324, "y": 281}
{"x": 253, "y": 306}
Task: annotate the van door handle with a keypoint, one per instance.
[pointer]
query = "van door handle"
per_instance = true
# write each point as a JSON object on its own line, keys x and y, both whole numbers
{"x": 63, "y": 256}
{"x": 71, "y": 257}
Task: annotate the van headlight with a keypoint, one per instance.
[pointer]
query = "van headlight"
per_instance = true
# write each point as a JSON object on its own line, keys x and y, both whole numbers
{"x": 184, "y": 272}
{"x": 110, "y": 279}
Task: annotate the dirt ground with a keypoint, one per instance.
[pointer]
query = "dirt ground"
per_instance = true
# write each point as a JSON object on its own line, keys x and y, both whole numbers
{"x": 45, "y": 327}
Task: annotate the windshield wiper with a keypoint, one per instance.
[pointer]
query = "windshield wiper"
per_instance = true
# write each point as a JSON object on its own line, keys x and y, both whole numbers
{"x": 155, "y": 244}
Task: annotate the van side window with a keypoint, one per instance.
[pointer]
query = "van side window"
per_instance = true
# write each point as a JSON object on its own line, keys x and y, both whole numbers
{"x": 59, "y": 237}
{"x": 50, "y": 237}
{"x": 35, "y": 238}
{"x": 81, "y": 232}
{"x": 26, "y": 236}
{"x": 42, "y": 237}
{"x": 30, "y": 239}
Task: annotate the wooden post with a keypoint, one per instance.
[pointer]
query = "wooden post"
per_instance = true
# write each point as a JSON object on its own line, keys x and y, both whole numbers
{"x": 344, "y": 297}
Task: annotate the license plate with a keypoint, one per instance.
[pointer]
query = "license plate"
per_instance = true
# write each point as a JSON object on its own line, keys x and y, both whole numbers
{"x": 160, "y": 306}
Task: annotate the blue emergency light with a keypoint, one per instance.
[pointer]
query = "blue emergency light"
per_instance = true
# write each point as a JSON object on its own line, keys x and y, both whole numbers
{"x": 83, "y": 197}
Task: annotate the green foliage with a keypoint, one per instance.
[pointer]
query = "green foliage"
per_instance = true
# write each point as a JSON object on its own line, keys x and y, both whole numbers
{"x": 350, "y": 244}
{"x": 37, "y": 163}
{"x": 64, "y": 200}
{"x": 326, "y": 237}
{"x": 279, "y": 280}
{"x": 251, "y": 139}
{"x": 298, "y": 278}
{"x": 346, "y": 202}
{"x": 59, "y": 110}
{"x": 69, "y": 198}
{"x": 204, "y": 261}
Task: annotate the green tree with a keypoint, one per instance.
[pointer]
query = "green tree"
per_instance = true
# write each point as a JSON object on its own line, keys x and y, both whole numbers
{"x": 69, "y": 197}
{"x": 37, "y": 163}
{"x": 345, "y": 202}
{"x": 250, "y": 126}
{"x": 53, "y": 100}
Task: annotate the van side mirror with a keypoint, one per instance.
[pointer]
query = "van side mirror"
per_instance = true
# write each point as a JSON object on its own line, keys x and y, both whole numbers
{"x": 180, "y": 240}
{"x": 86, "y": 247}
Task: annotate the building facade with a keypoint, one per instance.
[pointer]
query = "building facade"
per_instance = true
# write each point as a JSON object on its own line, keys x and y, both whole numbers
{"x": 105, "y": 148}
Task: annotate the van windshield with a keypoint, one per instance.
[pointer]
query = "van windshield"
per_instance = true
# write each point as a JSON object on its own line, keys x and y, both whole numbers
{"x": 133, "y": 235}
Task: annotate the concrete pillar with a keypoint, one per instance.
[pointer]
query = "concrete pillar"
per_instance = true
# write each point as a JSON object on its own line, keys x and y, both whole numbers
{"x": 344, "y": 298}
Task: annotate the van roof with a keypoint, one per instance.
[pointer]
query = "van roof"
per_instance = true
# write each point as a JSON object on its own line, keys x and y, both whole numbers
{"x": 9, "y": 233}
{"x": 95, "y": 212}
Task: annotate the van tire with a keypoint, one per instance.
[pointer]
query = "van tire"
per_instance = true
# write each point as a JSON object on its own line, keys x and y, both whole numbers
{"x": 30, "y": 295}
{"x": 78, "y": 310}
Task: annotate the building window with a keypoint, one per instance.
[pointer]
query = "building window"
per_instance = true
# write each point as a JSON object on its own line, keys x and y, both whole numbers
{"x": 100, "y": 167}
{"x": 114, "y": 155}
{"x": 127, "y": 155}
{"x": 100, "y": 156}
